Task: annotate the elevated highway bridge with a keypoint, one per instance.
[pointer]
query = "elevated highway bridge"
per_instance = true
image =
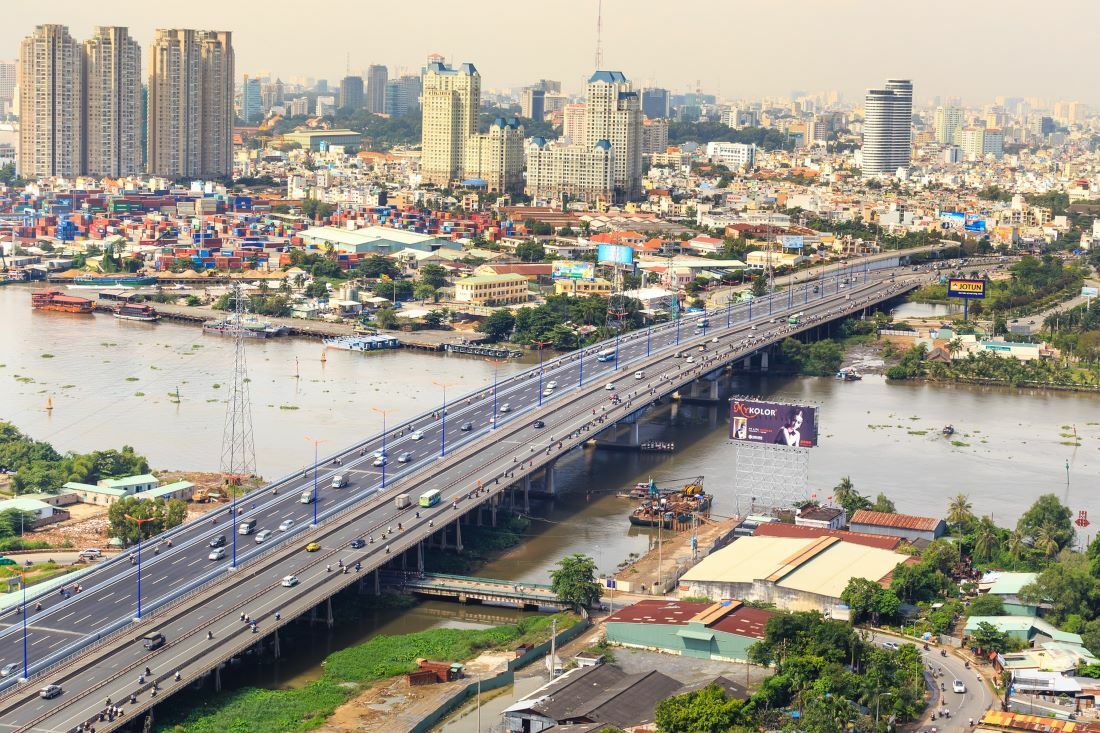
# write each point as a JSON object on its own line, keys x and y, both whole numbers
{"x": 89, "y": 643}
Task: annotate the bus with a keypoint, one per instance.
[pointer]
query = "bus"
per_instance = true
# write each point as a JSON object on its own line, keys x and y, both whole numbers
{"x": 606, "y": 355}
{"x": 794, "y": 320}
{"x": 430, "y": 498}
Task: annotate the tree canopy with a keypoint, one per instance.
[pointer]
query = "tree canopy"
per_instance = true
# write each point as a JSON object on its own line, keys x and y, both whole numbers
{"x": 574, "y": 580}
{"x": 40, "y": 468}
{"x": 701, "y": 711}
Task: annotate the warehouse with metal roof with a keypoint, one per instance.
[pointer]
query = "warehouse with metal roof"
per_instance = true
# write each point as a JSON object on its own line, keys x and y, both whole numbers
{"x": 794, "y": 573}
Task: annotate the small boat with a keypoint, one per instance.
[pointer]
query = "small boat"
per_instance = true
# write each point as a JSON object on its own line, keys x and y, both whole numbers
{"x": 136, "y": 312}
{"x": 849, "y": 375}
{"x": 948, "y": 429}
{"x": 672, "y": 509}
{"x": 55, "y": 300}
{"x": 362, "y": 343}
{"x": 115, "y": 281}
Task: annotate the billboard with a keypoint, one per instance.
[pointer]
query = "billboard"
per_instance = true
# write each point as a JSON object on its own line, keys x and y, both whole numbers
{"x": 615, "y": 253}
{"x": 573, "y": 270}
{"x": 1089, "y": 292}
{"x": 957, "y": 288}
{"x": 792, "y": 241}
{"x": 952, "y": 219}
{"x": 775, "y": 423}
{"x": 974, "y": 223}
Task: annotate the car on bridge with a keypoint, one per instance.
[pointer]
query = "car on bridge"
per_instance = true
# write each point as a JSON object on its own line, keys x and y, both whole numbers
{"x": 357, "y": 543}
{"x": 548, "y": 392}
{"x": 313, "y": 547}
{"x": 50, "y": 691}
{"x": 537, "y": 424}
{"x": 467, "y": 427}
{"x": 609, "y": 386}
{"x": 405, "y": 457}
{"x": 286, "y": 525}
{"x": 289, "y": 581}
{"x": 218, "y": 542}
{"x": 262, "y": 536}
{"x": 217, "y": 554}
{"x": 380, "y": 461}
{"x": 505, "y": 407}
{"x": 958, "y": 686}
{"x": 416, "y": 435}
{"x": 639, "y": 375}
{"x": 8, "y": 669}
{"x": 552, "y": 384}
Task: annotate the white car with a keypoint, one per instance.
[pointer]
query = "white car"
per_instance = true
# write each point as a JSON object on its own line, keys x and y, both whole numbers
{"x": 548, "y": 392}
{"x": 416, "y": 435}
{"x": 610, "y": 387}
{"x": 262, "y": 536}
{"x": 505, "y": 407}
{"x": 958, "y": 686}
{"x": 404, "y": 457}
{"x": 217, "y": 554}
{"x": 286, "y": 524}
{"x": 379, "y": 461}
{"x": 8, "y": 669}
{"x": 551, "y": 384}
{"x": 289, "y": 581}
{"x": 639, "y": 375}
{"x": 691, "y": 360}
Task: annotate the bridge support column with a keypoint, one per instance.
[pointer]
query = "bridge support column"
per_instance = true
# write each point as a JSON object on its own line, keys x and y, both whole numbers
{"x": 747, "y": 363}
{"x": 548, "y": 481}
{"x": 635, "y": 433}
{"x": 378, "y": 582}
{"x": 527, "y": 494}
{"x": 458, "y": 535}
{"x": 714, "y": 390}
{"x": 276, "y": 649}
{"x": 328, "y": 612}
{"x": 218, "y": 678}
{"x": 420, "y": 557}
{"x": 493, "y": 513}
{"x": 763, "y": 361}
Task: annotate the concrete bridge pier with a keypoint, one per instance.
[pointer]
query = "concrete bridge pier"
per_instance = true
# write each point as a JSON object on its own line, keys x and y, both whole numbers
{"x": 493, "y": 511}
{"x": 328, "y": 612}
{"x": 458, "y": 536}
{"x": 378, "y": 581}
{"x": 218, "y": 678}
{"x": 420, "y": 557}
{"x": 548, "y": 482}
{"x": 275, "y": 648}
{"x": 763, "y": 361}
{"x": 526, "y": 494}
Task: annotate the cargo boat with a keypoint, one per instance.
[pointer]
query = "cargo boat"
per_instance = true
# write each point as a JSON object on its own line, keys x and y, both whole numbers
{"x": 672, "y": 509}
{"x": 249, "y": 328}
{"x": 136, "y": 312}
{"x": 114, "y": 281}
{"x": 55, "y": 300}
{"x": 362, "y": 343}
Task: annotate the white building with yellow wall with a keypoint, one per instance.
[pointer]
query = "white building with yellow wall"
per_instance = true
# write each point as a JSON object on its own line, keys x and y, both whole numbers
{"x": 491, "y": 290}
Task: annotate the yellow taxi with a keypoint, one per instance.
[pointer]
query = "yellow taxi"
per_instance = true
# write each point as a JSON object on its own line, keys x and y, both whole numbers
{"x": 313, "y": 547}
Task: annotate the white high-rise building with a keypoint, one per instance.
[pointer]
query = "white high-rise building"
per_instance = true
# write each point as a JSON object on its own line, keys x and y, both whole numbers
{"x": 888, "y": 128}
{"x": 573, "y": 123}
{"x": 613, "y": 113}
{"x": 377, "y": 78}
{"x": 191, "y": 90}
{"x": 559, "y": 171}
{"x": 451, "y": 100}
{"x": 113, "y": 119}
{"x": 978, "y": 142}
{"x": 496, "y": 157}
{"x": 8, "y": 77}
{"x": 252, "y": 100}
{"x": 948, "y": 124}
{"x": 51, "y": 99}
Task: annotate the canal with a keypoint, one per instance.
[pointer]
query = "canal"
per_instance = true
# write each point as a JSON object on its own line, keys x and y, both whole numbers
{"x": 114, "y": 382}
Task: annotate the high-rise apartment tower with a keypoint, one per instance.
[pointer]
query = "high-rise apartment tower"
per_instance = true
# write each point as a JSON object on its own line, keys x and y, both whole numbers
{"x": 888, "y": 128}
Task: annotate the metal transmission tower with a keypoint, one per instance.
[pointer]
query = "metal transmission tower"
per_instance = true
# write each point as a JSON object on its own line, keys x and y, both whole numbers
{"x": 238, "y": 445}
{"x": 599, "y": 35}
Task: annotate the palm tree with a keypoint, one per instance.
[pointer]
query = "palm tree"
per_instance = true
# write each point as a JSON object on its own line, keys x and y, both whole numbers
{"x": 985, "y": 539}
{"x": 1017, "y": 543}
{"x": 959, "y": 510}
{"x": 1045, "y": 542}
{"x": 954, "y": 347}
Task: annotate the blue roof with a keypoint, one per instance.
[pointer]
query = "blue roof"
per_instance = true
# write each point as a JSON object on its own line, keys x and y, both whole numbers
{"x": 604, "y": 144}
{"x": 468, "y": 69}
{"x": 540, "y": 141}
{"x": 441, "y": 68}
{"x": 610, "y": 77}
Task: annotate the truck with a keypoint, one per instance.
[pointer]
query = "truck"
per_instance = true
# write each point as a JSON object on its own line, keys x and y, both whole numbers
{"x": 307, "y": 496}
{"x": 402, "y": 501}
{"x": 795, "y": 319}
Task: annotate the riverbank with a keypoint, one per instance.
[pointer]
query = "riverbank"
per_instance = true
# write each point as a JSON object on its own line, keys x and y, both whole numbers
{"x": 347, "y": 675}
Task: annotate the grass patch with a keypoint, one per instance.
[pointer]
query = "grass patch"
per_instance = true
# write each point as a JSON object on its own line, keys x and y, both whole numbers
{"x": 346, "y": 673}
{"x": 47, "y": 356}
{"x": 918, "y": 432}
{"x": 131, "y": 379}
{"x": 24, "y": 380}
{"x": 67, "y": 386}
{"x": 1071, "y": 443}
{"x": 139, "y": 394}
{"x": 960, "y": 444}
{"x": 288, "y": 407}
{"x": 217, "y": 386}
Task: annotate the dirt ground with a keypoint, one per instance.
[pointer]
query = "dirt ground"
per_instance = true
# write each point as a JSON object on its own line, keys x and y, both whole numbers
{"x": 675, "y": 557}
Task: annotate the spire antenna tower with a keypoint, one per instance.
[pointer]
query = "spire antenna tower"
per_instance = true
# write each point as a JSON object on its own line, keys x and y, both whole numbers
{"x": 599, "y": 34}
{"x": 238, "y": 445}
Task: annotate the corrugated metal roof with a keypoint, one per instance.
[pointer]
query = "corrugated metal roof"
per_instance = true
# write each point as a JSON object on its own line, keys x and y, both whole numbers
{"x": 1016, "y": 721}
{"x": 781, "y": 529}
{"x": 887, "y": 519}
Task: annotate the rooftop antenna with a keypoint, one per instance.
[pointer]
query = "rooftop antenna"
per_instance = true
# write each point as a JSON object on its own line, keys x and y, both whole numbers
{"x": 347, "y": 69}
{"x": 599, "y": 33}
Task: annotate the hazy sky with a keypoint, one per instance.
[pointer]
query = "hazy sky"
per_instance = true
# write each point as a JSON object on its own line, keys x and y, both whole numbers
{"x": 976, "y": 49}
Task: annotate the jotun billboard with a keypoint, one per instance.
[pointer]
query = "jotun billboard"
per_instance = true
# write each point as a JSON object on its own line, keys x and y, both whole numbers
{"x": 957, "y": 288}
{"x": 773, "y": 423}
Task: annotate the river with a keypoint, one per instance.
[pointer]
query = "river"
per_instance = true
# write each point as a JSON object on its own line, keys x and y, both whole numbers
{"x": 113, "y": 382}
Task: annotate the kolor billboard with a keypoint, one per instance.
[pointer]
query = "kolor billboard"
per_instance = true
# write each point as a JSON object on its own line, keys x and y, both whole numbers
{"x": 773, "y": 423}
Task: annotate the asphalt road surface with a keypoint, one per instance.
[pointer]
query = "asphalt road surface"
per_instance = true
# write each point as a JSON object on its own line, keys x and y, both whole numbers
{"x": 108, "y": 595}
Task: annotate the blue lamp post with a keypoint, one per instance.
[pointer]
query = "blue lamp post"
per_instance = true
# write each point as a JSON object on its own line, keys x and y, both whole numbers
{"x": 443, "y": 418}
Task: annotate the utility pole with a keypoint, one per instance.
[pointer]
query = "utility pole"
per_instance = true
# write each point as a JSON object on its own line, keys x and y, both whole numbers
{"x": 553, "y": 645}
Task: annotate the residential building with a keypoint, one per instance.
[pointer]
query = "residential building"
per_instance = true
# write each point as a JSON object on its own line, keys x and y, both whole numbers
{"x": 252, "y": 101}
{"x": 403, "y": 96}
{"x": 736, "y": 156}
{"x": 613, "y": 113}
{"x": 299, "y": 106}
{"x": 144, "y": 486}
{"x": 654, "y": 136}
{"x": 723, "y": 630}
{"x": 575, "y": 287}
{"x": 910, "y": 527}
{"x": 888, "y": 128}
{"x": 798, "y": 574}
{"x": 1029, "y": 629}
{"x": 491, "y": 290}
{"x": 655, "y": 103}
{"x": 8, "y": 80}
{"x": 1007, "y": 587}
{"x": 533, "y": 104}
{"x": 112, "y": 95}
{"x": 556, "y": 170}
{"x": 451, "y": 100}
{"x": 191, "y": 104}
{"x": 573, "y": 123}
{"x": 42, "y": 512}
{"x": 351, "y": 93}
{"x": 978, "y": 142}
{"x": 738, "y": 118}
{"x": 326, "y": 106}
{"x": 312, "y": 140}
{"x": 377, "y": 79}
{"x": 554, "y": 102}
{"x": 820, "y": 517}
{"x": 496, "y": 157}
{"x": 948, "y": 124}
{"x": 51, "y": 100}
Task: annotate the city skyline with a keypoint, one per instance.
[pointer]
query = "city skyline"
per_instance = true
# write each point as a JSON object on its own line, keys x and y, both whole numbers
{"x": 678, "y": 55}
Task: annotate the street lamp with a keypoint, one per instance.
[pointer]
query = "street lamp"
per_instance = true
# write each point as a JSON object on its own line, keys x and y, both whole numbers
{"x": 540, "y": 344}
{"x": 443, "y": 418}
{"x": 139, "y": 523}
{"x": 496, "y": 365}
{"x": 648, "y": 333}
{"x": 316, "y": 496}
{"x": 385, "y": 458}
{"x": 23, "y": 579}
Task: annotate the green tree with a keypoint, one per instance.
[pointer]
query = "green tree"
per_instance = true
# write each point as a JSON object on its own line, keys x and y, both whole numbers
{"x": 435, "y": 319}
{"x": 434, "y": 275}
{"x": 530, "y": 252}
{"x": 1090, "y": 636}
{"x": 385, "y": 317}
{"x": 316, "y": 289}
{"x": 987, "y": 637}
{"x": 395, "y": 290}
{"x": 1049, "y": 512}
{"x": 870, "y": 601}
{"x": 423, "y": 291}
{"x": 708, "y": 710}
{"x": 574, "y": 580}
{"x": 498, "y": 325}
{"x": 986, "y": 606}
{"x": 164, "y": 514}
{"x": 846, "y": 495}
{"x": 759, "y": 285}
{"x": 987, "y": 540}
{"x": 1068, "y": 585}
{"x": 883, "y": 503}
{"x": 376, "y": 266}
{"x": 959, "y": 511}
